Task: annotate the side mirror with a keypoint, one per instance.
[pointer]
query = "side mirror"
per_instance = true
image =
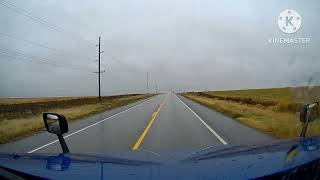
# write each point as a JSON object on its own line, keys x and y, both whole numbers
{"x": 308, "y": 113}
{"x": 57, "y": 124}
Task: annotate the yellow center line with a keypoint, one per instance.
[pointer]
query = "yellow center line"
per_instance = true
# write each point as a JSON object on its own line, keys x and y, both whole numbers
{"x": 144, "y": 133}
{"x": 153, "y": 114}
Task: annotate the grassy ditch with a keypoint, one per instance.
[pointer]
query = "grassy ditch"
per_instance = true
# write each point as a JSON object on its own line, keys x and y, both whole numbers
{"x": 23, "y": 117}
{"x": 273, "y": 111}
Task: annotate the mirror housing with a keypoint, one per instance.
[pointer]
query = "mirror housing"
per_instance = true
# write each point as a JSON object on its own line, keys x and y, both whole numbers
{"x": 308, "y": 113}
{"x": 55, "y": 123}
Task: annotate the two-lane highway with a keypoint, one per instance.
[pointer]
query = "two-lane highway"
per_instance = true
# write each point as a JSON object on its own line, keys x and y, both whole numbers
{"x": 166, "y": 122}
{"x": 177, "y": 128}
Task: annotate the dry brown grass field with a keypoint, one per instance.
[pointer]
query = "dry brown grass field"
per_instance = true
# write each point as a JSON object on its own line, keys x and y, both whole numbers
{"x": 22, "y": 117}
{"x": 274, "y": 111}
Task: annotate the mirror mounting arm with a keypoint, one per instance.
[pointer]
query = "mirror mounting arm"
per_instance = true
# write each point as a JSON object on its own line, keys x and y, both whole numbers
{"x": 304, "y": 128}
{"x": 63, "y": 144}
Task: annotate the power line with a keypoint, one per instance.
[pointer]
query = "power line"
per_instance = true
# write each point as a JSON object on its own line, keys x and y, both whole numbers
{"x": 30, "y": 42}
{"x": 29, "y": 60}
{"x": 15, "y": 53}
{"x": 40, "y": 62}
{"x": 43, "y": 22}
{"x": 38, "y": 44}
{"x": 23, "y": 57}
{"x": 30, "y": 56}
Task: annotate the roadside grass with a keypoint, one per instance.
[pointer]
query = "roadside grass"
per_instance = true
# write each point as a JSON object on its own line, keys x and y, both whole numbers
{"x": 6, "y": 101}
{"x": 288, "y": 99}
{"x": 289, "y": 94}
{"x": 13, "y": 108}
{"x": 266, "y": 118}
{"x": 15, "y": 128}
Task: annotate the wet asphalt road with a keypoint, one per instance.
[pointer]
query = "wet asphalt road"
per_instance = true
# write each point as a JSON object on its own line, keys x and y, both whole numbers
{"x": 166, "y": 122}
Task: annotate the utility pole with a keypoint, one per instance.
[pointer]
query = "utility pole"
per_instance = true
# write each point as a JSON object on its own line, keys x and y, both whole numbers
{"x": 156, "y": 87}
{"x": 99, "y": 67}
{"x": 147, "y": 81}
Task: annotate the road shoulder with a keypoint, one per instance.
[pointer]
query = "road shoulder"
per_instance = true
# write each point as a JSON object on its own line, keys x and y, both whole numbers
{"x": 229, "y": 129}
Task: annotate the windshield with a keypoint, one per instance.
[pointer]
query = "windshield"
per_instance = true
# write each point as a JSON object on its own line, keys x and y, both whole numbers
{"x": 155, "y": 76}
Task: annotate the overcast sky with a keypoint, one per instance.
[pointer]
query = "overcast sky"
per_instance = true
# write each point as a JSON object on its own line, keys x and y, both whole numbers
{"x": 183, "y": 44}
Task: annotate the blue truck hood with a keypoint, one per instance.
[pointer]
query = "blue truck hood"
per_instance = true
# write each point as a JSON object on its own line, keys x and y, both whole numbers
{"x": 217, "y": 162}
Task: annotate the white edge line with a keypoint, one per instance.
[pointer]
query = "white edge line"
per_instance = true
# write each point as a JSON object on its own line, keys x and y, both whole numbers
{"x": 48, "y": 144}
{"x": 204, "y": 123}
